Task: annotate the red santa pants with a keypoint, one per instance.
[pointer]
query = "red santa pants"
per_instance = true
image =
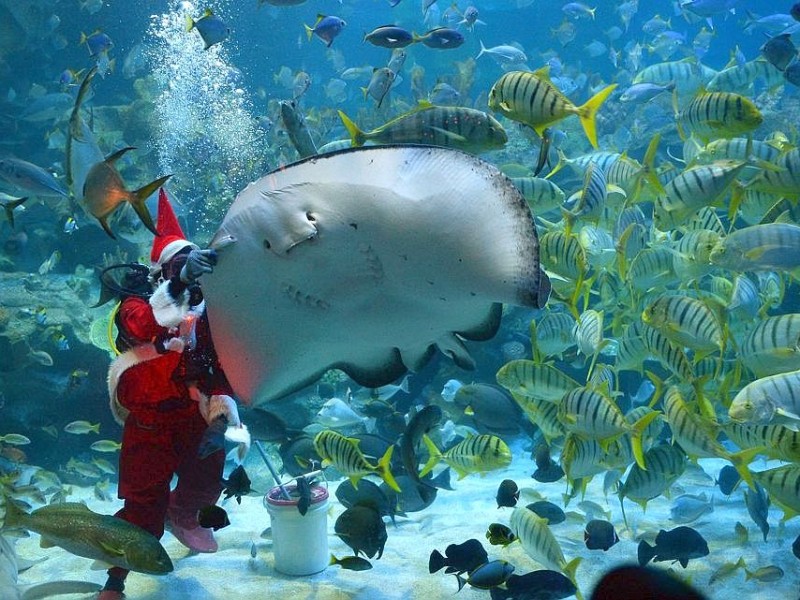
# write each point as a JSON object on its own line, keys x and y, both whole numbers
{"x": 154, "y": 447}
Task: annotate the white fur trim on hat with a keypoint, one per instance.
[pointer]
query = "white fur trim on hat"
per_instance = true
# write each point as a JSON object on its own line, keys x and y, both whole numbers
{"x": 169, "y": 311}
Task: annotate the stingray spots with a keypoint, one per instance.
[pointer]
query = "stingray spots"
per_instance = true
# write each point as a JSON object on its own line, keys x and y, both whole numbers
{"x": 267, "y": 245}
{"x": 372, "y": 261}
{"x": 297, "y": 296}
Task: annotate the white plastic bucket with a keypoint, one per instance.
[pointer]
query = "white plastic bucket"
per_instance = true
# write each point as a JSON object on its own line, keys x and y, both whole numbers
{"x": 299, "y": 542}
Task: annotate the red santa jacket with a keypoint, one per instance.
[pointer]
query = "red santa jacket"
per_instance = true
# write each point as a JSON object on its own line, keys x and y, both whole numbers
{"x": 146, "y": 377}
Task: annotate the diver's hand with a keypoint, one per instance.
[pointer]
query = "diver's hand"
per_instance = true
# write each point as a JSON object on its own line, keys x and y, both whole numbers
{"x": 221, "y": 405}
{"x": 197, "y": 263}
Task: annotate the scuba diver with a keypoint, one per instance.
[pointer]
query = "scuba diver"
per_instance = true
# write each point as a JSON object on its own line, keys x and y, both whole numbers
{"x": 168, "y": 392}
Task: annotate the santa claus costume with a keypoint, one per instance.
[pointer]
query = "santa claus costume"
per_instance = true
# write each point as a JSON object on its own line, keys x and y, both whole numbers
{"x": 160, "y": 388}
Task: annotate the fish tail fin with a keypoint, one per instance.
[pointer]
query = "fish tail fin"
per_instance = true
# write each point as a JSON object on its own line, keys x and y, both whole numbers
{"x": 385, "y": 472}
{"x": 357, "y": 136}
{"x": 189, "y": 23}
{"x": 436, "y": 562}
{"x": 309, "y": 31}
{"x": 483, "y": 50}
{"x": 645, "y": 553}
{"x": 569, "y": 570}
{"x": 636, "y": 437}
{"x": 9, "y": 208}
{"x": 740, "y": 460}
{"x": 106, "y": 228}
{"x": 15, "y": 516}
{"x": 588, "y": 112}
{"x": 435, "y": 456}
{"x": 138, "y": 198}
{"x": 648, "y": 171}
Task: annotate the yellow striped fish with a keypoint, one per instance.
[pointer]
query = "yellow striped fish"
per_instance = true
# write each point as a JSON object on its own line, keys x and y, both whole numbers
{"x": 772, "y": 399}
{"x": 458, "y": 127}
{"x": 552, "y": 335}
{"x": 541, "y": 194}
{"x": 543, "y": 414}
{"x": 685, "y": 321}
{"x": 774, "y": 441}
{"x": 783, "y": 486}
{"x": 477, "y": 454}
{"x": 665, "y": 463}
{"x": 783, "y": 181}
{"x": 343, "y": 454}
{"x": 670, "y": 355}
{"x": 767, "y": 247}
{"x": 592, "y": 414}
{"x": 698, "y": 438}
{"x": 532, "y": 99}
{"x": 717, "y": 114}
{"x": 539, "y": 543}
{"x": 773, "y": 346}
{"x": 534, "y": 380}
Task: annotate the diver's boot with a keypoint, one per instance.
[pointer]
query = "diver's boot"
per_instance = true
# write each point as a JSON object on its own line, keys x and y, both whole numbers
{"x": 184, "y": 526}
{"x": 198, "y": 539}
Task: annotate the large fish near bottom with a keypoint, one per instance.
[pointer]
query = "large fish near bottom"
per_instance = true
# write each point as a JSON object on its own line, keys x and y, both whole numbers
{"x": 80, "y": 531}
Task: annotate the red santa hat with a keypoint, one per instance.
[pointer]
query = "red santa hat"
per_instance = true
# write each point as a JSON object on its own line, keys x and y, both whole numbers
{"x": 170, "y": 239}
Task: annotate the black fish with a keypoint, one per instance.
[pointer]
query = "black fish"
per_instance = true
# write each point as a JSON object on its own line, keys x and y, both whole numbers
{"x": 796, "y": 547}
{"x": 362, "y": 528}
{"x": 795, "y": 11}
{"x": 367, "y": 494}
{"x": 537, "y": 585}
{"x": 779, "y": 51}
{"x": 757, "y": 503}
{"x": 264, "y": 425}
{"x": 213, "y": 517}
{"x": 298, "y": 455}
{"x": 420, "y": 424}
{"x": 351, "y": 563}
{"x": 414, "y": 496}
{"x": 681, "y": 544}
{"x": 653, "y": 584}
{"x": 459, "y": 558}
{"x": 304, "y": 491}
{"x": 499, "y": 534}
{"x": 599, "y": 535}
{"x": 507, "y": 494}
{"x": 547, "y": 471}
{"x": 213, "y": 439}
{"x": 549, "y": 511}
{"x": 728, "y": 479}
{"x": 489, "y": 575}
{"x": 237, "y": 484}
{"x": 792, "y": 73}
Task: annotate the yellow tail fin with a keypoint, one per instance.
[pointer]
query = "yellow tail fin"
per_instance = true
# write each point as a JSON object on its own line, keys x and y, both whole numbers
{"x": 357, "y": 136}
{"x": 435, "y": 456}
{"x": 588, "y": 112}
{"x": 385, "y": 472}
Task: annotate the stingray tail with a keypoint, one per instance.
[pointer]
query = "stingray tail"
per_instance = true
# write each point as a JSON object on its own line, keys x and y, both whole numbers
{"x": 138, "y": 198}
{"x": 357, "y": 136}
{"x": 435, "y": 456}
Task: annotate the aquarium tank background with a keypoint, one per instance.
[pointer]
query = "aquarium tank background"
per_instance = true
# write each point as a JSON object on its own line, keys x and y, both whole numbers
{"x": 637, "y": 167}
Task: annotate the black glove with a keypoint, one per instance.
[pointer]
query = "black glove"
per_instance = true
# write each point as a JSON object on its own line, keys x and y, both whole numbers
{"x": 197, "y": 263}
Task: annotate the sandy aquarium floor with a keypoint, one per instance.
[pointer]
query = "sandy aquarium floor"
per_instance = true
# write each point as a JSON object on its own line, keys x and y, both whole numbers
{"x": 455, "y": 516}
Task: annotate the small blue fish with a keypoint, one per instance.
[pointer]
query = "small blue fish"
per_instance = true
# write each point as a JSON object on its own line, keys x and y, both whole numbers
{"x": 41, "y": 315}
{"x": 70, "y": 225}
{"x": 98, "y": 43}
{"x": 441, "y": 38}
{"x": 211, "y": 28}
{"x": 326, "y": 28}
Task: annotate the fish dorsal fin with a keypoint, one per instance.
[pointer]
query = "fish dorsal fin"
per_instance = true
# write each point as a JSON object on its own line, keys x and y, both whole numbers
{"x": 112, "y": 158}
{"x": 543, "y": 73}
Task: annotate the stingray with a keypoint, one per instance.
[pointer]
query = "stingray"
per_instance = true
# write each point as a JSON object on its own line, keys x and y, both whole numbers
{"x": 367, "y": 260}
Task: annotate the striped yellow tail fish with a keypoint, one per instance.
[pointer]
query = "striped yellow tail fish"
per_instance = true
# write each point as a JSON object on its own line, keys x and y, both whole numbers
{"x": 717, "y": 114}
{"x": 531, "y": 98}
{"x": 477, "y": 454}
{"x": 343, "y": 453}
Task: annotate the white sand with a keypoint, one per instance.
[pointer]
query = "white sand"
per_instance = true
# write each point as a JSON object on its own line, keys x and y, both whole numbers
{"x": 454, "y": 517}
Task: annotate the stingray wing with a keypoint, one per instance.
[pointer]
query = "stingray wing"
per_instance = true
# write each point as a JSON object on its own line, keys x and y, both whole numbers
{"x": 367, "y": 260}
